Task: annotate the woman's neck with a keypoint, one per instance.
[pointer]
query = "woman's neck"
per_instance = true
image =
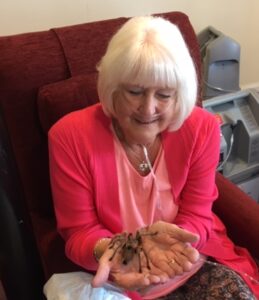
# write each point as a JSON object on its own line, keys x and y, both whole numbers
{"x": 141, "y": 156}
{"x": 131, "y": 142}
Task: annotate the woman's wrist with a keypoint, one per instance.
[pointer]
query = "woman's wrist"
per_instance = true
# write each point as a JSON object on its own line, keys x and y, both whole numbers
{"x": 100, "y": 247}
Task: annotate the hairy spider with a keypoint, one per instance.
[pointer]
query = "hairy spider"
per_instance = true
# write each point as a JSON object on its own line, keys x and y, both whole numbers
{"x": 129, "y": 245}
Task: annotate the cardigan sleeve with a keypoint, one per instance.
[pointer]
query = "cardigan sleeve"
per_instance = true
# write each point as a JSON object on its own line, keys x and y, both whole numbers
{"x": 200, "y": 191}
{"x": 73, "y": 193}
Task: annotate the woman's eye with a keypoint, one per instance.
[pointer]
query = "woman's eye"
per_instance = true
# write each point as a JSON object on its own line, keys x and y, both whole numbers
{"x": 135, "y": 92}
{"x": 163, "y": 96}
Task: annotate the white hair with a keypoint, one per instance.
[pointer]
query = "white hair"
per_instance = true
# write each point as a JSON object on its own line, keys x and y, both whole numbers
{"x": 149, "y": 51}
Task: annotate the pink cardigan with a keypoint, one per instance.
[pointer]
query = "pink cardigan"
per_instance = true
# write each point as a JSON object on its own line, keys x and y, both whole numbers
{"x": 85, "y": 186}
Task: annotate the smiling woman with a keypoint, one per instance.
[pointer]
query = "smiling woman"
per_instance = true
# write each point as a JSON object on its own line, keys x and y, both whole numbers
{"x": 150, "y": 172}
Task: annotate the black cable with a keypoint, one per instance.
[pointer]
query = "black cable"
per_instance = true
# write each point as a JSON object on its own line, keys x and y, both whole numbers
{"x": 231, "y": 142}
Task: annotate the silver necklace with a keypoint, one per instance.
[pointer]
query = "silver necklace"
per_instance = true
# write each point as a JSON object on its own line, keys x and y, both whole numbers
{"x": 145, "y": 165}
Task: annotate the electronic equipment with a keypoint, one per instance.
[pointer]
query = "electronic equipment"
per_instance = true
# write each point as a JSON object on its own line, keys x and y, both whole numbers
{"x": 220, "y": 62}
{"x": 238, "y": 115}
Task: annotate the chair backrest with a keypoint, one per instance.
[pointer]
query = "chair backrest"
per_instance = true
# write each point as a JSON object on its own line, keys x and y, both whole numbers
{"x": 31, "y": 62}
{"x": 44, "y": 75}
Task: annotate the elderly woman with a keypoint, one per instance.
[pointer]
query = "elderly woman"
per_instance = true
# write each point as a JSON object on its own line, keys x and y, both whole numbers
{"x": 133, "y": 177}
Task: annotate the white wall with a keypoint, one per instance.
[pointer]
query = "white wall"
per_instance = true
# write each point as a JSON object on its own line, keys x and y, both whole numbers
{"x": 236, "y": 18}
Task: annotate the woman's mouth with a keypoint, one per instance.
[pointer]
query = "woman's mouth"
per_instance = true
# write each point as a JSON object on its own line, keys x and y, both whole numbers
{"x": 145, "y": 122}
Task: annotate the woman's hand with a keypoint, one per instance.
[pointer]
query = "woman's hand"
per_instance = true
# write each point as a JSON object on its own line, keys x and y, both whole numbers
{"x": 169, "y": 249}
{"x": 127, "y": 276}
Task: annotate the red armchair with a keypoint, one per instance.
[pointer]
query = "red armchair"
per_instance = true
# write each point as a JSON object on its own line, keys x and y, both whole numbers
{"x": 44, "y": 75}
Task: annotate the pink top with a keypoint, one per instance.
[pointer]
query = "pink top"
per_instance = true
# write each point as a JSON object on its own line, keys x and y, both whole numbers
{"x": 85, "y": 189}
{"x": 144, "y": 200}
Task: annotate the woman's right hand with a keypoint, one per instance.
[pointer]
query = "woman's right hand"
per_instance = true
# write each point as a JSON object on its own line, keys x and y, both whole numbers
{"x": 126, "y": 276}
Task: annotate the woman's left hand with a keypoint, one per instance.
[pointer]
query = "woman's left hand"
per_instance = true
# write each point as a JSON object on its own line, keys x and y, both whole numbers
{"x": 168, "y": 248}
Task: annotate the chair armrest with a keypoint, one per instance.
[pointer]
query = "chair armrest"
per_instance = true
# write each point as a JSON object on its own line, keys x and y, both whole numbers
{"x": 51, "y": 247}
{"x": 20, "y": 274}
{"x": 240, "y": 214}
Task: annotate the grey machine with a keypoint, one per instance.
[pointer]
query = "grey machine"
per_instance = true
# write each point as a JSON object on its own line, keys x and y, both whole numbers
{"x": 220, "y": 62}
{"x": 238, "y": 115}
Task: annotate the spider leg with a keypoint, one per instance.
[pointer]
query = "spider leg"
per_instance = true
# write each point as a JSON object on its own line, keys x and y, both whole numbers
{"x": 147, "y": 258}
{"x": 114, "y": 252}
{"x": 117, "y": 239}
{"x": 139, "y": 236}
{"x": 139, "y": 259}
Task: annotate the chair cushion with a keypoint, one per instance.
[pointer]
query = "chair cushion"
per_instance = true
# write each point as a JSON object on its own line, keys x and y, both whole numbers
{"x": 57, "y": 99}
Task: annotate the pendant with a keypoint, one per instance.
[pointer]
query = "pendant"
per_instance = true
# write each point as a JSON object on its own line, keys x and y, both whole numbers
{"x": 143, "y": 167}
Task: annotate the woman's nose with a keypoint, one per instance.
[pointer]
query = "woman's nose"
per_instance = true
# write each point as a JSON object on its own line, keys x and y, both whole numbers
{"x": 148, "y": 104}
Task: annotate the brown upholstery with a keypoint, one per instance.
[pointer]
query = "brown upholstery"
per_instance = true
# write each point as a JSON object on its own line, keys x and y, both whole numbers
{"x": 44, "y": 75}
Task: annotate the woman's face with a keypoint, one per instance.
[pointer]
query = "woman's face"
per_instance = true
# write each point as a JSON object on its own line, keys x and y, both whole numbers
{"x": 143, "y": 112}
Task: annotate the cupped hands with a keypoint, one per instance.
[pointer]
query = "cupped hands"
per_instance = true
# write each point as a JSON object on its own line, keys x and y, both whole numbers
{"x": 153, "y": 255}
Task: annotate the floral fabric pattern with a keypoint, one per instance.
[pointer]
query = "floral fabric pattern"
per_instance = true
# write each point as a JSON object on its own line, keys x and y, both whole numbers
{"x": 213, "y": 282}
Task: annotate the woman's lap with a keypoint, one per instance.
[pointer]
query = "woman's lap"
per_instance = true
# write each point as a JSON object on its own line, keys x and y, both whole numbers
{"x": 213, "y": 282}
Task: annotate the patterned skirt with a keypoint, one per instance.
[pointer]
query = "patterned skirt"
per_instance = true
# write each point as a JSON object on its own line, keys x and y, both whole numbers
{"x": 213, "y": 281}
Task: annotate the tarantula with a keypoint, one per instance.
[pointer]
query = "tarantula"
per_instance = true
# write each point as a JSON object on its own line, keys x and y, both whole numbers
{"x": 129, "y": 245}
